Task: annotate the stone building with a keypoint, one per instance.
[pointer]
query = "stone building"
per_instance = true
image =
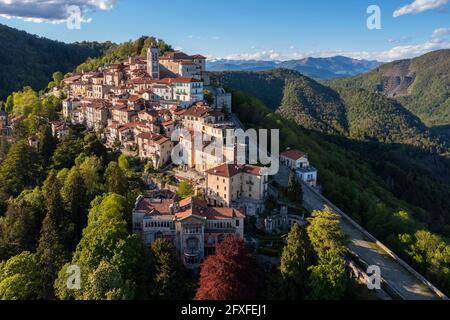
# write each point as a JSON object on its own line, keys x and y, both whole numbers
{"x": 194, "y": 228}
{"x": 244, "y": 186}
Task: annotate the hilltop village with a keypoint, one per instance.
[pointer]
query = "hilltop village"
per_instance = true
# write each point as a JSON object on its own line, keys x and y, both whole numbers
{"x": 135, "y": 107}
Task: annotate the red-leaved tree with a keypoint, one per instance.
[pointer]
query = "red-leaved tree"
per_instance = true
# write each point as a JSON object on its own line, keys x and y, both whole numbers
{"x": 231, "y": 274}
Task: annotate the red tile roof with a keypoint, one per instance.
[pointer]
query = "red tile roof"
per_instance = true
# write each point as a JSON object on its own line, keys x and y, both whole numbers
{"x": 177, "y": 55}
{"x": 155, "y": 206}
{"x": 293, "y": 154}
{"x": 193, "y": 201}
{"x": 212, "y": 213}
{"x": 197, "y": 111}
{"x": 179, "y": 80}
{"x": 198, "y": 56}
{"x": 224, "y": 213}
{"x": 153, "y": 138}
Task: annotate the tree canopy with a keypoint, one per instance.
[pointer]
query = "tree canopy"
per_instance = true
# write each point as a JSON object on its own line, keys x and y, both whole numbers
{"x": 231, "y": 274}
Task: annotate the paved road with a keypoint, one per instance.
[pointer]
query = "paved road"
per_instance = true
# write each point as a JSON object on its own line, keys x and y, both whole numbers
{"x": 404, "y": 282}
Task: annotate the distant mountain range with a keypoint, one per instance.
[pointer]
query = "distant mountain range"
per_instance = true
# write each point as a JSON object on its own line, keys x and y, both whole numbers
{"x": 316, "y": 68}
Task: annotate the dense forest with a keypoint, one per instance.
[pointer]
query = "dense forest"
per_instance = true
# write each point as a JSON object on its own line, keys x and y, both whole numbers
{"x": 29, "y": 60}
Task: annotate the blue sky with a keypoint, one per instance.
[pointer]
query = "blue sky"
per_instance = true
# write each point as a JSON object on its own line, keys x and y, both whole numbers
{"x": 248, "y": 29}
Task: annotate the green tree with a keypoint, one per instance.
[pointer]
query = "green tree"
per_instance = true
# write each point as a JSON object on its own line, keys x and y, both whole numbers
{"x": 50, "y": 108}
{"x": 328, "y": 279}
{"x": 124, "y": 164}
{"x": 51, "y": 253}
{"x": 55, "y": 234}
{"x": 294, "y": 190}
{"x": 48, "y": 144}
{"x": 18, "y": 229}
{"x": 9, "y": 106}
{"x": 91, "y": 169}
{"x": 169, "y": 281}
{"x": 133, "y": 260}
{"x": 25, "y": 102}
{"x": 51, "y": 190}
{"x": 20, "y": 278}
{"x": 105, "y": 238}
{"x": 185, "y": 189}
{"x": 295, "y": 260}
{"x": 325, "y": 233}
{"x": 20, "y": 169}
{"x": 67, "y": 151}
{"x": 93, "y": 147}
{"x": 4, "y": 147}
{"x": 430, "y": 254}
{"x": 57, "y": 78}
{"x": 106, "y": 283}
{"x": 116, "y": 180}
{"x": 74, "y": 194}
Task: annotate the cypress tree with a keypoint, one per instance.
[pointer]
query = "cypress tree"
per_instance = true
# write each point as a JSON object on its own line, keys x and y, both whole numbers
{"x": 295, "y": 261}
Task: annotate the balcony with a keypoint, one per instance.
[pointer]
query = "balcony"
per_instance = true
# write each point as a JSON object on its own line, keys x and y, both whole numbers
{"x": 191, "y": 253}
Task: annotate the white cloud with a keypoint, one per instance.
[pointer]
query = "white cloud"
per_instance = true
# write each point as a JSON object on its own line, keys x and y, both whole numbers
{"x": 402, "y": 40}
{"x": 402, "y": 52}
{"x": 437, "y": 41}
{"x": 419, "y": 6}
{"x": 52, "y": 11}
{"x": 441, "y": 32}
{"x": 396, "y": 53}
{"x": 268, "y": 54}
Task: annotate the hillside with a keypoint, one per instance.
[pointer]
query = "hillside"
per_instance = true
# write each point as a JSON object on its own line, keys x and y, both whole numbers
{"x": 385, "y": 191}
{"x": 421, "y": 84}
{"x": 29, "y": 60}
{"x": 121, "y": 52}
{"x": 371, "y": 115}
{"x": 313, "y": 106}
{"x": 316, "y": 68}
{"x": 352, "y": 113}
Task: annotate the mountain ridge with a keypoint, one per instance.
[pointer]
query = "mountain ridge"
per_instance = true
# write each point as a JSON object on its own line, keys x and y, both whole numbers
{"x": 421, "y": 84}
{"x": 328, "y": 110}
{"x": 30, "y": 60}
{"x": 316, "y": 68}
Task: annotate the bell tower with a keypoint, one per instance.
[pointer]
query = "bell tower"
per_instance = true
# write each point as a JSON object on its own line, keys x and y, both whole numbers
{"x": 153, "y": 62}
